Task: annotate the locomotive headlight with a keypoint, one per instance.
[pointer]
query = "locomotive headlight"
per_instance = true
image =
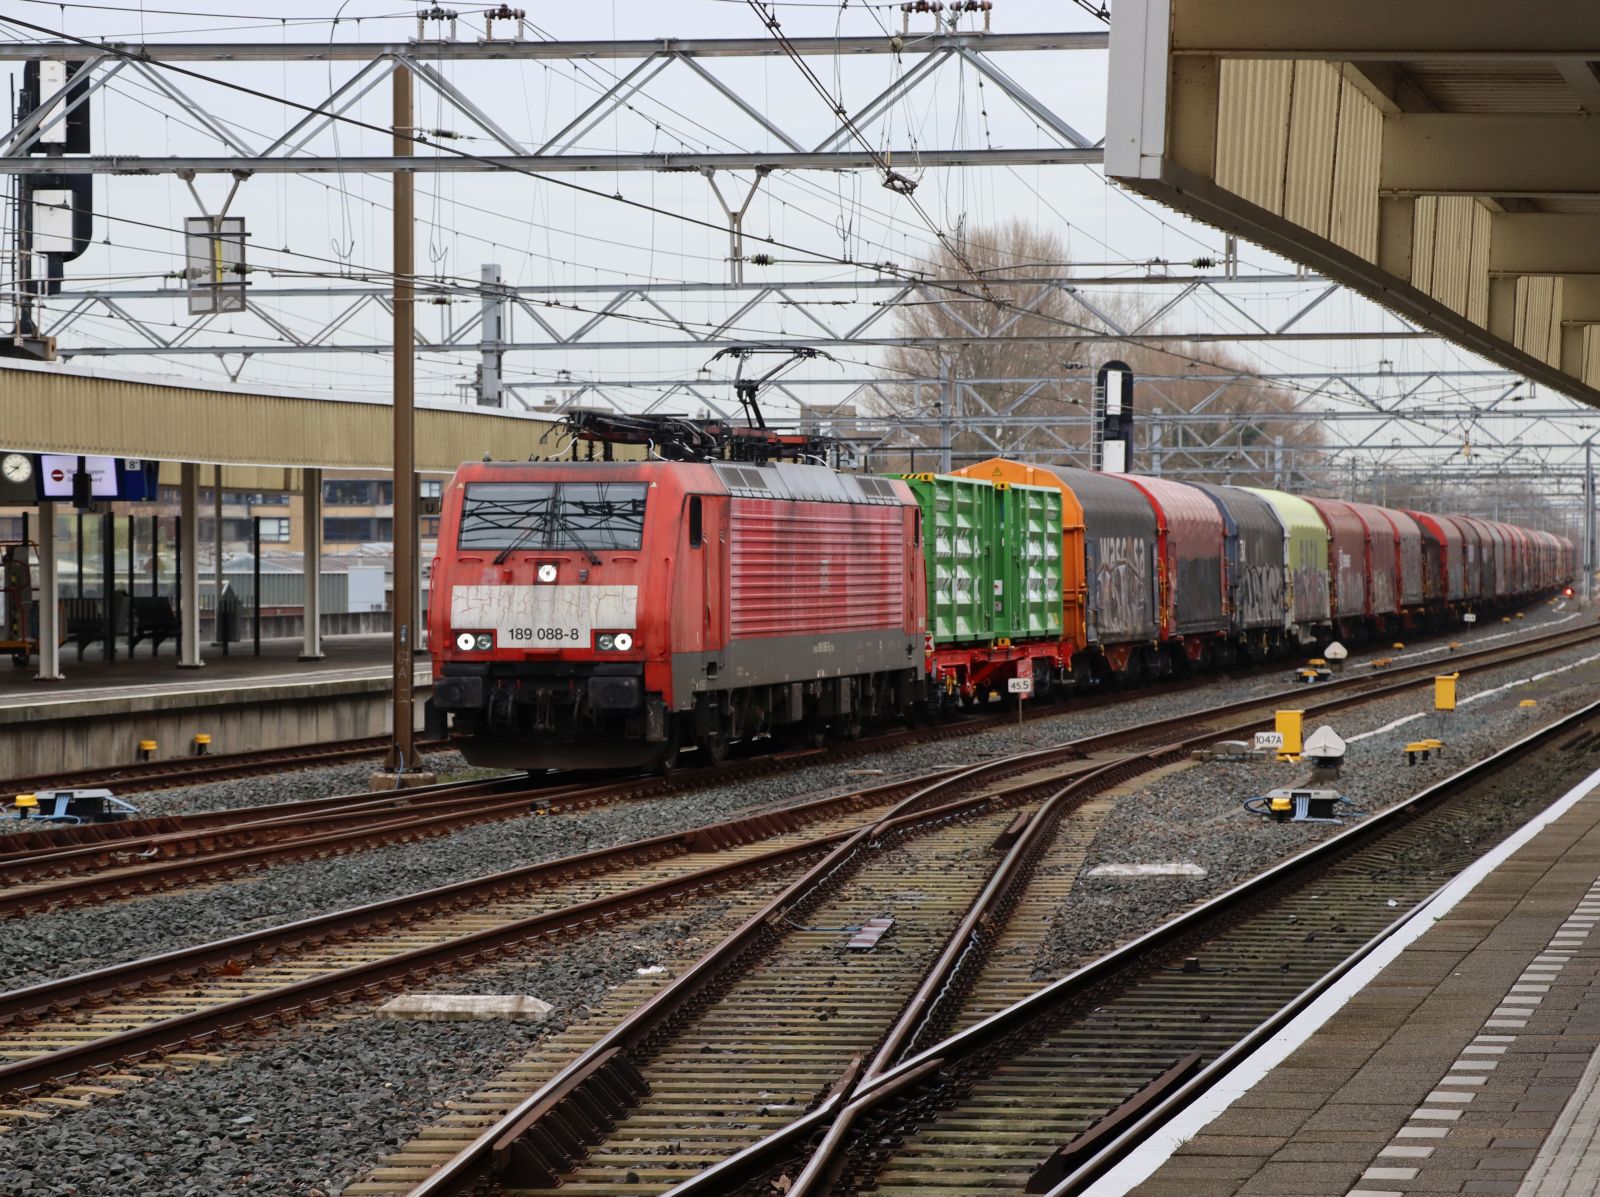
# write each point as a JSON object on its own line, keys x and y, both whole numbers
{"x": 606, "y": 642}
{"x": 622, "y": 641}
{"x": 547, "y": 572}
{"x": 485, "y": 642}
{"x": 466, "y": 641}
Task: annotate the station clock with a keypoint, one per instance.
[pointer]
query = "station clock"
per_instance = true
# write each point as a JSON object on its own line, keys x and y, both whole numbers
{"x": 17, "y": 467}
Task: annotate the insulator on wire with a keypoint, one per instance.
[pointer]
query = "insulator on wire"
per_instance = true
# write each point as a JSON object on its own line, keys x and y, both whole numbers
{"x": 439, "y": 14}
{"x": 504, "y": 13}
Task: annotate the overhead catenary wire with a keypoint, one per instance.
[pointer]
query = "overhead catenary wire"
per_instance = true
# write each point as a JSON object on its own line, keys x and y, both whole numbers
{"x": 338, "y": 118}
{"x": 886, "y": 268}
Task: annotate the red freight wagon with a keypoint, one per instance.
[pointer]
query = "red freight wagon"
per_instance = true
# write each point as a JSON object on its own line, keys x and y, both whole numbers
{"x": 1192, "y": 539}
{"x": 1445, "y": 569}
{"x": 1491, "y": 564}
{"x": 1383, "y": 590}
{"x": 1472, "y": 556}
{"x": 1500, "y": 555}
{"x": 1347, "y": 558}
{"x": 607, "y": 613}
{"x": 1408, "y": 556}
{"x": 1523, "y": 572}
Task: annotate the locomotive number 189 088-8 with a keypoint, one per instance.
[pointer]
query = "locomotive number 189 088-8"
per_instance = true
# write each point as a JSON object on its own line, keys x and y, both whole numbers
{"x": 546, "y": 635}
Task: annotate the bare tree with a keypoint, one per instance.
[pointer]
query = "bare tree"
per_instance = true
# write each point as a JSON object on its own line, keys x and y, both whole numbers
{"x": 1022, "y": 387}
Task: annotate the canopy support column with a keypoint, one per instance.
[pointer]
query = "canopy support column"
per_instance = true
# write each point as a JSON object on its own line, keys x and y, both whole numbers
{"x": 311, "y": 540}
{"x": 189, "y": 579}
{"x": 49, "y": 630}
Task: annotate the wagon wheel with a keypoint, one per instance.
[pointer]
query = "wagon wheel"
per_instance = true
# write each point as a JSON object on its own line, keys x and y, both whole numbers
{"x": 715, "y": 746}
{"x": 671, "y": 758}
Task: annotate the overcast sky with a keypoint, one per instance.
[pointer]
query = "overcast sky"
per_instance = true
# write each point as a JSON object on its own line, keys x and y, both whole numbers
{"x": 321, "y": 228}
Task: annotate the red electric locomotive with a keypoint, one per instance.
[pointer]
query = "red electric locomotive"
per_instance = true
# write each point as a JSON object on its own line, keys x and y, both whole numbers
{"x": 607, "y": 614}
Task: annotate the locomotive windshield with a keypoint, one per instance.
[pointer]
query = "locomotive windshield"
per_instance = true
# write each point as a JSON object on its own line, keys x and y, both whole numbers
{"x": 544, "y": 515}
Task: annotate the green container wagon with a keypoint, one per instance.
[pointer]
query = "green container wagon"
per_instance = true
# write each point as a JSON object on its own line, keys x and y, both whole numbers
{"x": 1029, "y": 600}
{"x": 993, "y": 556}
{"x": 960, "y": 544}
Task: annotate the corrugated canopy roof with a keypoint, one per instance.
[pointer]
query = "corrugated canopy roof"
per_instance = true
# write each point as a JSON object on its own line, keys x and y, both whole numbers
{"x": 48, "y": 409}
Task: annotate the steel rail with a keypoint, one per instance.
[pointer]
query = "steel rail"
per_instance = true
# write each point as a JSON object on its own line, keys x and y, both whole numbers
{"x": 546, "y": 1132}
{"x": 907, "y": 1079}
{"x": 236, "y": 953}
{"x": 173, "y": 772}
{"x": 158, "y": 825}
{"x": 258, "y": 1011}
{"x": 406, "y": 816}
{"x": 68, "y": 992}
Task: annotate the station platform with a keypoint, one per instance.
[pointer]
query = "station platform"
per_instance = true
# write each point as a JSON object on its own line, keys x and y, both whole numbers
{"x": 1464, "y": 1058}
{"x": 100, "y": 714}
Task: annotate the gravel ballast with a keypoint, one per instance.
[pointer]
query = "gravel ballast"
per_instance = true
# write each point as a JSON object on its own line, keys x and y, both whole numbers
{"x": 306, "y": 1110}
{"x": 60, "y": 943}
{"x": 1194, "y": 815}
{"x": 318, "y": 1111}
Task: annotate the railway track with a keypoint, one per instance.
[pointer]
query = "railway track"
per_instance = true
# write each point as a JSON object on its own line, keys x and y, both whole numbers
{"x": 170, "y": 773}
{"x": 61, "y": 1029}
{"x": 646, "y": 1103}
{"x": 1045, "y": 1094}
{"x": 85, "y": 1036}
{"x": 148, "y": 856}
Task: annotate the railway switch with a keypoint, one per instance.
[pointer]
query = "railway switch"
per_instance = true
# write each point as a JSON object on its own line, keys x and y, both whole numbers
{"x": 1298, "y": 806}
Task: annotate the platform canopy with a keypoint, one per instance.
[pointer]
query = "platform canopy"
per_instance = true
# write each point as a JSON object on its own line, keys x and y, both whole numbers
{"x": 261, "y": 437}
{"x": 1440, "y": 156}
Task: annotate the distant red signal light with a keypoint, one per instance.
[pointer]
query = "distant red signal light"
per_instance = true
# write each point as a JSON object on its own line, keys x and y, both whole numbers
{"x": 1567, "y": 592}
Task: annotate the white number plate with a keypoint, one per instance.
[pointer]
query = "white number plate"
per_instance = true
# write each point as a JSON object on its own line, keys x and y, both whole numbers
{"x": 544, "y": 616}
{"x": 1269, "y": 740}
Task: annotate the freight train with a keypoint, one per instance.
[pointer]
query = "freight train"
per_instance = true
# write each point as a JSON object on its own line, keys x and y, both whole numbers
{"x": 611, "y": 613}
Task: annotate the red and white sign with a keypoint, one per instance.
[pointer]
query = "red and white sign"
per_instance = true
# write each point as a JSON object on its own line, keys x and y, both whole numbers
{"x": 55, "y": 476}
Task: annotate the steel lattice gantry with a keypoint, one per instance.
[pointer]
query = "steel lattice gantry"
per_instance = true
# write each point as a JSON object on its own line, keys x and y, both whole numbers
{"x": 295, "y": 150}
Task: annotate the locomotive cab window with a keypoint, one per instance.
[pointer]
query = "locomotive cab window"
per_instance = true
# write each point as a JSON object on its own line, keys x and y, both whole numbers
{"x": 587, "y": 516}
{"x": 696, "y": 531}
